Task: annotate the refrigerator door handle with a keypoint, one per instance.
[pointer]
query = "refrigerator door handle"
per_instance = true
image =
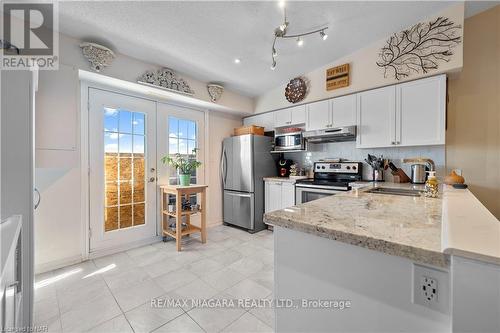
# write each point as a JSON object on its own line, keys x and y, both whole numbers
{"x": 236, "y": 194}
{"x": 223, "y": 169}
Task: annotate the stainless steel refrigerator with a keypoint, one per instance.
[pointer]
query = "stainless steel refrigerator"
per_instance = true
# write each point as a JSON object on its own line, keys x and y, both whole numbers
{"x": 245, "y": 160}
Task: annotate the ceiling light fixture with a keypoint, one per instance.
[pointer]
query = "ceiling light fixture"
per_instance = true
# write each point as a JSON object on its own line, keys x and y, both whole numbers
{"x": 237, "y": 61}
{"x": 281, "y": 32}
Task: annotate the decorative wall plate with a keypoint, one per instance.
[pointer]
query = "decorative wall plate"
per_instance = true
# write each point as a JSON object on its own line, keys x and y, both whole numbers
{"x": 215, "y": 91}
{"x": 99, "y": 56}
{"x": 296, "y": 90}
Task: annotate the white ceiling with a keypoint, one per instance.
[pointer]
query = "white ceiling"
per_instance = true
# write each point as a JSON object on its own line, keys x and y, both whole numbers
{"x": 202, "y": 39}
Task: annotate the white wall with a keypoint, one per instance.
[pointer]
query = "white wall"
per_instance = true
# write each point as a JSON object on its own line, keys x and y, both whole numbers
{"x": 364, "y": 72}
{"x": 59, "y": 233}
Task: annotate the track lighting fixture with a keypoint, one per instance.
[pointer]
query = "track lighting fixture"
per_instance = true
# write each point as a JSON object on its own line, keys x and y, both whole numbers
{"x": 282, "y": 30}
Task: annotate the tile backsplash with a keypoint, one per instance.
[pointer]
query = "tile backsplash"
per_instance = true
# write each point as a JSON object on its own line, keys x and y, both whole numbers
{"x": 348, "y": 150}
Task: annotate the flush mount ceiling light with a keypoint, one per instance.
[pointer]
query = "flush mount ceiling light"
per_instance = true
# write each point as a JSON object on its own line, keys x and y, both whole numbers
{"x": 281, "y": 32}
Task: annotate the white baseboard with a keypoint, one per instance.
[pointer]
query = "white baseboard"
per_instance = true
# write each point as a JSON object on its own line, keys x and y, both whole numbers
{"x": 56, "y": 264}
{"x": 60, "y": 263}
{"x": 126, "y": 247}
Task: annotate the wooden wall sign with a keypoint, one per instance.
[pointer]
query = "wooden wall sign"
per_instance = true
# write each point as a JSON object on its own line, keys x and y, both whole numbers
{"x": 337, "y": 77}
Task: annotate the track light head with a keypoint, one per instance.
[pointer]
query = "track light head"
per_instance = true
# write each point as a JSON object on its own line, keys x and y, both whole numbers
{"x": 323, "y": 35}
{"x": 300, "y": 42}
{"x": 273, "y": 66}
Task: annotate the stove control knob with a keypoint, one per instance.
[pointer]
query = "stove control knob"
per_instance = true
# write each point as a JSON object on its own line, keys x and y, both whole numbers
{"x": 323, "y": 167}
{"x": 349, "y": 168}
{"x": 354, "y": 167}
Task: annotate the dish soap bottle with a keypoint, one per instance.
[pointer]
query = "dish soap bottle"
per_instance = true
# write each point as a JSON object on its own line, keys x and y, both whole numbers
{"x": 431, "y": 185}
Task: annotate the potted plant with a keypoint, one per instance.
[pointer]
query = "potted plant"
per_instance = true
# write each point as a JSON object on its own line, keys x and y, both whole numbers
{"x": 183, "y": 164}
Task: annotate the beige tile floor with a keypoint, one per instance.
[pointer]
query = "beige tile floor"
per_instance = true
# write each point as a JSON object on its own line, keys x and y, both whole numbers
{"x": 113, "y": 293}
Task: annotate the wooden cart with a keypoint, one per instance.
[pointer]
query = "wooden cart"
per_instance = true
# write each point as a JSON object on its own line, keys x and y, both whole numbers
{"x": 182, "y": 192}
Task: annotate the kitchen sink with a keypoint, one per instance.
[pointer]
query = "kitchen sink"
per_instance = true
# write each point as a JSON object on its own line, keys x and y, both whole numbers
{"x": 396, "y": 191}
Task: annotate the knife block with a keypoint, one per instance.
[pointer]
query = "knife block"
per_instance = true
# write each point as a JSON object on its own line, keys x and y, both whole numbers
{"x": 400, "y": 176}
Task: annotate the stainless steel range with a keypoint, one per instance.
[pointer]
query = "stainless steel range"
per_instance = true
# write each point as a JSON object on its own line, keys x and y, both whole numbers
{"x": 329, "y": 178}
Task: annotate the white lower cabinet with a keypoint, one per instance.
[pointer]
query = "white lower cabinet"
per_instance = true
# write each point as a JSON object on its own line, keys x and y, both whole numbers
{"x": 279, "y": 195}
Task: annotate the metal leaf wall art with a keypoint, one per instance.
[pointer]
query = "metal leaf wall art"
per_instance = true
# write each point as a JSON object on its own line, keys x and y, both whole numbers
{"x": 420, "y": 49}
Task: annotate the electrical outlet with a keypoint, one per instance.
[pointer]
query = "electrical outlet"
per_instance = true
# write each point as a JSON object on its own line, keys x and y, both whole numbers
{"x": 431, "y": 288}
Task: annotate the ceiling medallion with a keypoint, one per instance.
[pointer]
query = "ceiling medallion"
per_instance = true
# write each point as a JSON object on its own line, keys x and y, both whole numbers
{"x": 215, "y": 91}
{"x": 99, "y": 56}
{"x": 167, "y": 79}
{"x": 281, "y": 32}
{"x": 296, "y": 90}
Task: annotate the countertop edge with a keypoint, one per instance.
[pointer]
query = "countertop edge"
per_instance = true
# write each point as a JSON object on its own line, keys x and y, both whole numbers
{"x": 438, "y": 259}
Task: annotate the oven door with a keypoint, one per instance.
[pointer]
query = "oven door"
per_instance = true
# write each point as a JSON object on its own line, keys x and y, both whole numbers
{"x": 309, "y": 193}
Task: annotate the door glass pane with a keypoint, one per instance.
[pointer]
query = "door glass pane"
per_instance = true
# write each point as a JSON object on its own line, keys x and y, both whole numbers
{"x": 182, "y": 140}
{"x": 125, "y": 123}
{"x": 124, "y": 165}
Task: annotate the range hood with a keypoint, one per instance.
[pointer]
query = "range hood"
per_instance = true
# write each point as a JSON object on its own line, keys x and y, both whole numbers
{"x": 347, "y": 133}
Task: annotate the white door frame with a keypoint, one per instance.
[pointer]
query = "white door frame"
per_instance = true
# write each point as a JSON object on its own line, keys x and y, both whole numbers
{"x": 84, "y": 160}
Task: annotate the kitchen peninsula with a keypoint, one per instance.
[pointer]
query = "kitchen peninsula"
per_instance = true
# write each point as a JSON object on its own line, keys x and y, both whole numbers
{"x": 405, "y": 263}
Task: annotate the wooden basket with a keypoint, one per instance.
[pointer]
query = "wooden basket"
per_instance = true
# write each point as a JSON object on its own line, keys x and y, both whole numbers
{"x": 252, "y": 129}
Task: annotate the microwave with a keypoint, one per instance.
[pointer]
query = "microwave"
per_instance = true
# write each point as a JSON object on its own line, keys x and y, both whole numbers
{"x": 289, "y": 141}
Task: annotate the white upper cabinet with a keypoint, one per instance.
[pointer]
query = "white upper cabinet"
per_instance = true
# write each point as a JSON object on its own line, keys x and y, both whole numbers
{"x": 407, "y": 114}
{"x": 421, "y": 109}
{"x": 295, "y": 115}
{"x": 336, "y": 112}
{"x": 318, "y": 115}
{"x": 376, "y": 118}
{"x": 265, "y": 120}
{"x": 343, "y": 111}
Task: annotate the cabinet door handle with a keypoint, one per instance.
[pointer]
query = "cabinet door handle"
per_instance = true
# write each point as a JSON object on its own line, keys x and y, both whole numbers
{"x": 397, "y": 142}
{"x": 393, "y": 143}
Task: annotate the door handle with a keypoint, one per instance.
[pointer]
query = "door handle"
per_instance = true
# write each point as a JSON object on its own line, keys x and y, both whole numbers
{"x": 223, "y": 166}
{"x": 152, "y": 179}
{"x": 39, "y": 198}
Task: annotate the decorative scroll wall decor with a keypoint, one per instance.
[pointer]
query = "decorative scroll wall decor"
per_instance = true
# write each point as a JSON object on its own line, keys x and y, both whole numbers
{"x": 167, "y": 79}
{"x": 420, "y": 49}
{"x": 215, "y": 91}
{"x": 296, "y": 90}
{"x": 99, "y": 56}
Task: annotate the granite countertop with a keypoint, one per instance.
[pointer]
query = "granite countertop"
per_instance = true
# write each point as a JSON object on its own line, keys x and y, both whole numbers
{"x": 425, "y": 230}
{"x": 408, "y": 227}
{"x": 280, "y": 179}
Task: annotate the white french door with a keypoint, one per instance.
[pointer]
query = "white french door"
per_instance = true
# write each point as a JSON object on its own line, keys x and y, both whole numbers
{"x": 180, "y": 130}
{"x": 122, "y": 161}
